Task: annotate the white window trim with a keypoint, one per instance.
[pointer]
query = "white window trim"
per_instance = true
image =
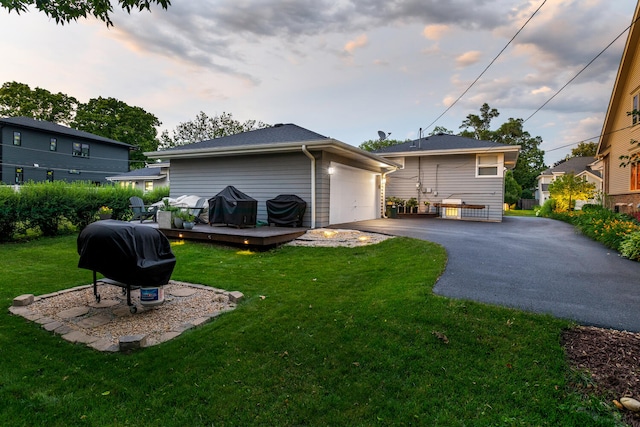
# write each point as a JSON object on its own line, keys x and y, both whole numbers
{"x": 499, "y": 165}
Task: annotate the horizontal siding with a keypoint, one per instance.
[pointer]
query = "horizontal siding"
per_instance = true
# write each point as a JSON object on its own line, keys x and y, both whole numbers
{"x": 447, "y": 177}
{"x": 261, "y": 177}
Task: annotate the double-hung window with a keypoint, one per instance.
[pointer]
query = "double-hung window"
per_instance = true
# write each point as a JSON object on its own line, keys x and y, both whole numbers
{"x": 636, "y": 107}
{"x": 53, "y": 144}
{"x": 17, "y": 138}
{"x": 80, "y": 150}
{"x": 635, "y": 176}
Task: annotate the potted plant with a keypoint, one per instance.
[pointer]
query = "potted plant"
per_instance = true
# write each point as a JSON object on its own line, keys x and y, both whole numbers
{"x": 105, "y": 212}
{"x": 426, "y": 206}
{"x": 401, "y": 205}
{"x": 412, "y": 204}
{"x": 164, "y": 216}
{"x": 188, "y": 220}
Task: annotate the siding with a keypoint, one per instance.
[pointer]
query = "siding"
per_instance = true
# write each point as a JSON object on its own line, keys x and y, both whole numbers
{"x": 261, "y": 177}
{"x": 445, "y": 177}
{"x": 105, "y": 159}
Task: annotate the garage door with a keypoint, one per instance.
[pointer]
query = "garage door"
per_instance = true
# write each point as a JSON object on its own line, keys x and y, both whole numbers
{"x": 353, "y": 195}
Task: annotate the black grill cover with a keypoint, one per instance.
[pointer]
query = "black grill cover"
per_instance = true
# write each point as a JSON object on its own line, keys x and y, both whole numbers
{"x": 286, "y": 210}
{"x": 135, "y": 255}
{"x": 232, "y": 207}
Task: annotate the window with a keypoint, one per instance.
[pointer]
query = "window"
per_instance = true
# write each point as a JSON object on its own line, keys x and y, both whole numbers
{"x": 17, "y": 138}
{"x": 53, "y": 144}
{"x": 148, "y": 186}
{"x": 50, "y": 175}
{"x": 80, "y": 150}
{"x": 635, "y": 119}
{"x": 635, "y": 176}
{"x": 19, "y": 175}
{"x": 488, "y": 166}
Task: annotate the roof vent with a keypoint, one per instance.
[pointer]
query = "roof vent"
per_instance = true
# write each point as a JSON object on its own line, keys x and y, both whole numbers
{"x": 277, "y": 125}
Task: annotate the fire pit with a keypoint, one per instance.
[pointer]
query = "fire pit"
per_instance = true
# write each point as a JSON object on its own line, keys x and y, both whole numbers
{"x": 127, "y": 255}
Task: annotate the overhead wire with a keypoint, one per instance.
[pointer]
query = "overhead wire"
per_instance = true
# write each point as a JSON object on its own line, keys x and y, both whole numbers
{"x": 487, "y": 67}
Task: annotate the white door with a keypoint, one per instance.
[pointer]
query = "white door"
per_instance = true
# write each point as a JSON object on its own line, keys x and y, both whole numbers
{"x": 353, "y": 195}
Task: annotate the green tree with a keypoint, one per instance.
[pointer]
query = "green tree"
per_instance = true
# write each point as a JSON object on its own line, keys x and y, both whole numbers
{"x": 115, "y": 119}
{"x": 479, "y": 126}
{"x": 531, "y": 158}
{"x": 568, "y": 188}
{"x": 65, "y": 11}
{"x": 377, "y": 144}
{"x": 204, "y": 128}
{"x": 440, "y": 129}
{"x": 584, "y": 149}
{"x": 18, "y": 99}
{"x": 512, "y": 190}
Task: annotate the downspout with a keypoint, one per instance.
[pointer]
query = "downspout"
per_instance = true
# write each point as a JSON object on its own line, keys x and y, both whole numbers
{"x": 313, "y": 185}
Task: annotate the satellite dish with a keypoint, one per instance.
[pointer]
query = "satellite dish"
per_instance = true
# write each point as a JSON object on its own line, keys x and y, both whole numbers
{"x": 383, "y": 135}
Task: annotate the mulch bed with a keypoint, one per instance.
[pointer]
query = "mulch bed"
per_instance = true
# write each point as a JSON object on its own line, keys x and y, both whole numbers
{"x": 611, "y": 358}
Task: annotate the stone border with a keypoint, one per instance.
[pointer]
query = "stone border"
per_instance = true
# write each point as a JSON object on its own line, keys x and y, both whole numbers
{"x": 21, "y": 305}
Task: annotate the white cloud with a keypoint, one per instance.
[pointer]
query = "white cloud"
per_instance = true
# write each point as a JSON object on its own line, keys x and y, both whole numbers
{"x": 468, "y": 58}
{"x": 436, "y": 32}
{"x": 359, "y": 42}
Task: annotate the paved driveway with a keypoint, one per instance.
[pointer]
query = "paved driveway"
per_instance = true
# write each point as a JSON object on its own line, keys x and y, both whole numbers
{"x": 534, "y": 264}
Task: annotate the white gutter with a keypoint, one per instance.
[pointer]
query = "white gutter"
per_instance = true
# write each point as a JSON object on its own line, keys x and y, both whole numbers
{"x": 313, "y": 185}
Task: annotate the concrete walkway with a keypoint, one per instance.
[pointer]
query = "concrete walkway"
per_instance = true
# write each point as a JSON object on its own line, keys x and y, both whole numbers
{"x": 534, "y": 264}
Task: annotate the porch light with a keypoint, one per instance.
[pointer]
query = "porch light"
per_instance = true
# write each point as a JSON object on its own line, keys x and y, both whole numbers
{"x": 331, "y": 170}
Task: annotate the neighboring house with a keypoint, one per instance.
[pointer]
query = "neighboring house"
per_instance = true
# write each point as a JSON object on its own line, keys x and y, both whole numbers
{"x": 465, "y": 174}
{"x": 580, "y": 167}
{"x": 622, "y": 184}
{"x": 35, "y": 150}
{"x": 340, "y": 183}
{"x": 152, "y": 176}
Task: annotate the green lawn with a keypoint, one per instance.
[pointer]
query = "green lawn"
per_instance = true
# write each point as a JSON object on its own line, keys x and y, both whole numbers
{"x": 343, "y": 337}
{"x": 519, "y": 212}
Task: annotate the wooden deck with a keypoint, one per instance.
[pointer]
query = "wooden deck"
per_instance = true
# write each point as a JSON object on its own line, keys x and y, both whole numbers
{"x": 264, "y": 237}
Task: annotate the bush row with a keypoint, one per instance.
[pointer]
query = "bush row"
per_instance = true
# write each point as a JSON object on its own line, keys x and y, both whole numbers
{"x": 43, "y": 207}
{"x": 620, "y": 232}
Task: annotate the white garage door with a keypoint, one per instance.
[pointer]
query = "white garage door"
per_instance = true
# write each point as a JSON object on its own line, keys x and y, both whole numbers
{"x": 353, "y": 195}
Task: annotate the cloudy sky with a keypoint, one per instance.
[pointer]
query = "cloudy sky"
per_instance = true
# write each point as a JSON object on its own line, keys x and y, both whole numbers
{"x": 342, "y": 68}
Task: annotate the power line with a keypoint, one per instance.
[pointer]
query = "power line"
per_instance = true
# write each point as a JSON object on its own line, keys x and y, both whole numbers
{"x": 487, "y": 67}
{"x": 580, "y": 72}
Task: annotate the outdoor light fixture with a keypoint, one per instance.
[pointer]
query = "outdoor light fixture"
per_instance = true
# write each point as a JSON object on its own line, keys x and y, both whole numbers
{"x": 35, "y": 165}
{"x": 331, "y": 170}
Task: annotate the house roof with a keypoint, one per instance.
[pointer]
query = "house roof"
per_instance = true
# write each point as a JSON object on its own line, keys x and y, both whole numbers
{"x": 148, "y": 173}
{"x": 280, "y": 138}
{"x": 446, "y": 144}
{"x": 626, "y": 66}
{"x": 575, "y": 165}
{"x": 54, "y": 128}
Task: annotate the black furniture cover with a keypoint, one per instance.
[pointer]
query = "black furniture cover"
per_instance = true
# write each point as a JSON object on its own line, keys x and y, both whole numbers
{"x": 136, "y": 255}
{"x": 286, "y": 210}
{"x": 232, "y": 207}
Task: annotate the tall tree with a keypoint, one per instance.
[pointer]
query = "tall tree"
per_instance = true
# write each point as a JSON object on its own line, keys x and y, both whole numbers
{"x": 531, "y": 158}
{"x": 584, "y": 149}
{"x": 203, "y": 128}
{"x": 115, "y": 119}
{"x": 65, "y": 11}
{"x": 568, "y": 188}
{"x": 512, "y": 190}
{"x": 18, "y": 99}
{"x": 479, "y": 126}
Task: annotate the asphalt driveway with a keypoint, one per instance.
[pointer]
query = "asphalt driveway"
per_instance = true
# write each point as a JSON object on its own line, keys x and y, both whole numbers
{"x": 534, "y": 264}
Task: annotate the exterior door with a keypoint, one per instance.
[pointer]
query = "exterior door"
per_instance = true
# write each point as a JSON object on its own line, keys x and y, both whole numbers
{"x": 353, "y": 194}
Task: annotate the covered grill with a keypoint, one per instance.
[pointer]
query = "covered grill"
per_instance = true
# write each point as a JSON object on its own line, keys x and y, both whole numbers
{"x": 232, "y": 207}
{"x": 286, "y": 210}
{"x": 132, "y": 256}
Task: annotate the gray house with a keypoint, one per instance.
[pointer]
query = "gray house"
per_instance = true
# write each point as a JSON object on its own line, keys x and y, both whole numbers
{"x": 462, "y": 177}
{"x": 152, "y": 176}
{"x": 340, "y": 183}
{"x": 35, "y": 150}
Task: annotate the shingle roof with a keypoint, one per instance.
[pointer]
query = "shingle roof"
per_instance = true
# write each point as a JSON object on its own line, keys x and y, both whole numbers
{"x": 573, "y": 165}
{"x": 281, "y": 133}
{"x": 439, "y": 142}
{"x": 143, "y": 172}
{"x": 28, "y": 122}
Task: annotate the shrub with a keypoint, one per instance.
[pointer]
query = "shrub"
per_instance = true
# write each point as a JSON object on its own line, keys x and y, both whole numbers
{"x": 546, "y": 209}
{"x": 630, "y": 246}
{"x": 8, "y": 212}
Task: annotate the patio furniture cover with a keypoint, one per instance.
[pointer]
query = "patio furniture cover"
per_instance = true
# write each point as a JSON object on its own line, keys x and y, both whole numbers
{"x": 286, "y": 210}
{"x": 232, "y": 207}
{"x": 136, "y": 255}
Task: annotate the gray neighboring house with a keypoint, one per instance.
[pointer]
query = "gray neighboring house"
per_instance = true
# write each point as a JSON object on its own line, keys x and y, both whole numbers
{"x": 452, "y": 170}
{"x": 582, "y": 167}
{"x": 35, "y": 150}
{"x": 340, "y": 183}
{"x": 154, "y": 175}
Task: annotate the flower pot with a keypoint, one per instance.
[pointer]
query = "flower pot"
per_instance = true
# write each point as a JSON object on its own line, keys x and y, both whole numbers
{"x": 104, "y": 216}
{"x": 177, "y": 222}
{"x": 188, "y": 225}
{"x": 164, "y": 219}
